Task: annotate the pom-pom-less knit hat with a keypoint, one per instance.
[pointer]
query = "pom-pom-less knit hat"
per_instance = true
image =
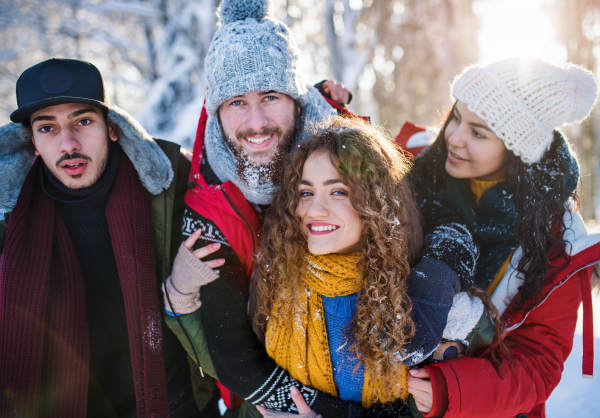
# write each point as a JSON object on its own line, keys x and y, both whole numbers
{"x": 251, "y": 52}
{"x": 524, "y": 100}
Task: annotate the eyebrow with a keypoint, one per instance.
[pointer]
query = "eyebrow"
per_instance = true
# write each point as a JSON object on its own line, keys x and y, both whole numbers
{"x": 477, "y": 125}
{"x": 325, "y": 183}
{"x": 70, "y": 116}
{"x": 263, "y": 93}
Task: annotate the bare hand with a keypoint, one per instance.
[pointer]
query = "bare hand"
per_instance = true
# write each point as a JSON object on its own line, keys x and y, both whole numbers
{"x": 298, "y": 399}
{"x": 200, "y": 253}
{"x": 338, "y": 92}
{"x": 421, "y": 389}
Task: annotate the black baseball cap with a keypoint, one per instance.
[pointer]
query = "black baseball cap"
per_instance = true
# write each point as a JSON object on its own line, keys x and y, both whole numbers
{"x": 58, "y": 81}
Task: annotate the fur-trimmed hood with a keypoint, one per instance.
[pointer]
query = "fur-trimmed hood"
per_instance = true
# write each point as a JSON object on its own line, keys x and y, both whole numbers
{"x": 17, "y": 156}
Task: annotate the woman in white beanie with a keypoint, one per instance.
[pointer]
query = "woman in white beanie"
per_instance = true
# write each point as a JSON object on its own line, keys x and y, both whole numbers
{"x": 500, "y": 167}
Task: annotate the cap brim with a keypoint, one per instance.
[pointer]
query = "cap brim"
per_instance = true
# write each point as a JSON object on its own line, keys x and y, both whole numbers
{"x": 21, "y": 114}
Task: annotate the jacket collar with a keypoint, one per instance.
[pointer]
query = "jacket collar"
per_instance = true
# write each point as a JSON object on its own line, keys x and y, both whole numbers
{"x": 17, "y": 156}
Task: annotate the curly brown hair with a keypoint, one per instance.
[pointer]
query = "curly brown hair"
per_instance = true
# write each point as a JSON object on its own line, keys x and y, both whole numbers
{"x": 375, "y": 171}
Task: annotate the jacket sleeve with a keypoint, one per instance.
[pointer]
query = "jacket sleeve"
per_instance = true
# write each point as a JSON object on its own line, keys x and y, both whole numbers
{"x": 192, "y": 323}
{"x": 539, "y": 348}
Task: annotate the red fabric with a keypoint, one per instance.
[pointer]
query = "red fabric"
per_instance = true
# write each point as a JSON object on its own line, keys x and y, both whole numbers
{"x": 211, "y": 202}
{"x": 44, "y": 340}
{"x": 226, "y": 395}
{"x": 406, "y": 132}
{"x": 588, "y": 324}
{"x": 540, "y": 342}
{"x": 440, "y": 390}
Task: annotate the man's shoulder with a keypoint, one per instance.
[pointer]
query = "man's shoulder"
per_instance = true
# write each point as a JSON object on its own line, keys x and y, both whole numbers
{"x": 177, "y": 156}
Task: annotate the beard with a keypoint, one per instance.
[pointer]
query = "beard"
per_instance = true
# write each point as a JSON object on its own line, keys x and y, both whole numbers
{"x": 264, "y": 167}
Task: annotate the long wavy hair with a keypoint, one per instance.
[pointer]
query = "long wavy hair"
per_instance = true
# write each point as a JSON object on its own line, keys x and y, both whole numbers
{"x": 541, "y": 192}
{"x": 374, "y": 170}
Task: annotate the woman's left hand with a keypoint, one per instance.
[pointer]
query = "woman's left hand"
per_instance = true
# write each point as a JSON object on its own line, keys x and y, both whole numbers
{"x": 304, "y": 410}
{"x": 421, "y": 389}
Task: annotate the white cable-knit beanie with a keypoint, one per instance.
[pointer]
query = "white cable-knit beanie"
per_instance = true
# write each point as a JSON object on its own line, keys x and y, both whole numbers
{"x": 251, "y": 51}
{"x": 524, "y": 100}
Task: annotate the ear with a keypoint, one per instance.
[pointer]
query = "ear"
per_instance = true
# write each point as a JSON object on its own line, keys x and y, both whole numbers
{"x": 33, "y": 141}
{"x": 112, "y": 132}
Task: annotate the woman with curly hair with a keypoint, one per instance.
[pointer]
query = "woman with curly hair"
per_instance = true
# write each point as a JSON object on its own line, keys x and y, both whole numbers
{"x": 334, "y": 265}
{"x": 500, "y": 167}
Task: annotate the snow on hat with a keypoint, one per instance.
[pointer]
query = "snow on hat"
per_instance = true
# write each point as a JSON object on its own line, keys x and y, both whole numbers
{"x": 251, "y": 51}
{"x": 524, "y": 100}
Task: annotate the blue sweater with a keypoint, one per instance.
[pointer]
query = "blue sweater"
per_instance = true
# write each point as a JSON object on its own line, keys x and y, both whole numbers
{"x": 338, "y": 312}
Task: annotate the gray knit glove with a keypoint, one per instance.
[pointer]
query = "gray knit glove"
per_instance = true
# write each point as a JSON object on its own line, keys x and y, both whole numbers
{"x": 183, "y": 286}
{"x": 269, "y": 413}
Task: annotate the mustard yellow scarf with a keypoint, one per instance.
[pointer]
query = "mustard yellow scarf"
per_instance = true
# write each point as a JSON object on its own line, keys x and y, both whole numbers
{"x": 299, "y": 344}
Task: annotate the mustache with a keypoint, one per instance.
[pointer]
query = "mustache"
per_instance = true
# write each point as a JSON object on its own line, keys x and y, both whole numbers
{"x": 268, "y": 131}
{"x": 72, "y": 156}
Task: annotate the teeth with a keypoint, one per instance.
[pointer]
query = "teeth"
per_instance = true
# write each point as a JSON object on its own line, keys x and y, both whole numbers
{"x": 72, "y": 165}
{"x": 258, "y": 140}
{"x": 323, "y": 228}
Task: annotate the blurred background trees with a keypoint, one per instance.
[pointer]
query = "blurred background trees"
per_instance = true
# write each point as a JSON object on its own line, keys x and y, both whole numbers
{"x": 397, "y": 56}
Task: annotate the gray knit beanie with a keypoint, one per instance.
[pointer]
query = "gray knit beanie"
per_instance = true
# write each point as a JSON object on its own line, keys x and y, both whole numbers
{"x": 251, "y": 51}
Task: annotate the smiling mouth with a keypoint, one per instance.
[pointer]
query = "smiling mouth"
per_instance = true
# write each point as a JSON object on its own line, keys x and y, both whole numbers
{"x": 258, "y": 141}
{"x": 322, "y": 229}
{"x": 456, "y": 156}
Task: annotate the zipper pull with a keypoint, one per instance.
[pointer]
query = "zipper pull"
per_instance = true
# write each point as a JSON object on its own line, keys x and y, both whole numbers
{"x": 201, "y": 372}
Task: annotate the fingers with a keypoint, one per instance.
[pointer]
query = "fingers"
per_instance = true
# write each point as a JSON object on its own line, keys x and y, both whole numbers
{"x": 298, "y": 399}
{"x": 419, "y": 384}
{"x": 422, "y": 407}
{"x": 189, "y": 243}
{"x": 420, "y": 373}
{"x": 214, "y": 263}
{"x": 200, "y": 253}
{"x": 261, "y": 409}
{"x": 338, "y": 92}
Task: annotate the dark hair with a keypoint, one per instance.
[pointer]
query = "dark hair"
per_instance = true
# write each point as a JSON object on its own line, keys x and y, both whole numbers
{"x": 540, "y": 195}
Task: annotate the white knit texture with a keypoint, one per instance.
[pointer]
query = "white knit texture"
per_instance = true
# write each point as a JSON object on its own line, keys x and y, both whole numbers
{"x": 524, "y": 100}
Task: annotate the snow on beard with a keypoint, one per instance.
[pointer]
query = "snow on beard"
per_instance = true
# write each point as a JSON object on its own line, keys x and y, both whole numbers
{"x": 270, "y": 168}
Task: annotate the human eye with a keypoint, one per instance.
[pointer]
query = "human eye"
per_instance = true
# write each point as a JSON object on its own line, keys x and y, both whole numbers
{"x": 270, "y": 98}
{"x": 45, "y": 129}
{"x": 305, "y": 193}
{"x": 339, "y": 192}
{"x": 84, "y": 122}
{"x": 477, "y": 134}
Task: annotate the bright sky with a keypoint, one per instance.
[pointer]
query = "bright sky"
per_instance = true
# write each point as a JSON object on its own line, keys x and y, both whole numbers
{"x": 516, "y": 28}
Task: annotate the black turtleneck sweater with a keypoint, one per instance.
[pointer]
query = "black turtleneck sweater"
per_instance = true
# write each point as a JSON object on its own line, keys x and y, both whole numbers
{"x": 111, "y": 387}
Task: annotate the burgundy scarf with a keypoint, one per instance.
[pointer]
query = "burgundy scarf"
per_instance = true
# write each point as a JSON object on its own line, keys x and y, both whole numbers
{"x": 44, "y": 344}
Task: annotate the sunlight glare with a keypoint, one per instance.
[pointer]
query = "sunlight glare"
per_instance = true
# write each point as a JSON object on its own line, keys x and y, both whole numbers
{"x": 517, "y": 28}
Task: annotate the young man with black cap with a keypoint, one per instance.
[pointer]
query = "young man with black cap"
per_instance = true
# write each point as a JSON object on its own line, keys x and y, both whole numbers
{"x": 90, "y": 228}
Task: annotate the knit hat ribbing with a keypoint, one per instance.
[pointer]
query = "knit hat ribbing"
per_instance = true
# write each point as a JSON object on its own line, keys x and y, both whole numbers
{"x": 251, "y": 52}
{"x": 524, "y": 100}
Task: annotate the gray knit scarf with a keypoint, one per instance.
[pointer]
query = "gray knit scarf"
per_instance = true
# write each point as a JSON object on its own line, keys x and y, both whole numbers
{"x": 259, "y": 190}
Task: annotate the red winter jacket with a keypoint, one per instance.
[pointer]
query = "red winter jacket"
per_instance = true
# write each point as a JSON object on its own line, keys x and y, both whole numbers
{"x": 540, "y": 339}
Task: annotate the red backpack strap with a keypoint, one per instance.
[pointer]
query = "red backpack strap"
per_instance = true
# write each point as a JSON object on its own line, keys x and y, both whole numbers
{"x": 587, "y": 367}
{"x": 345, "y": 112}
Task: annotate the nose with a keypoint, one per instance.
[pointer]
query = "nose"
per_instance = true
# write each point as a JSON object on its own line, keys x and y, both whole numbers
{"x": 456, "y": 138}
{"x": 256, "y": 119}
{"x": 318, "y": 208}
{"x": 68, "y": 142}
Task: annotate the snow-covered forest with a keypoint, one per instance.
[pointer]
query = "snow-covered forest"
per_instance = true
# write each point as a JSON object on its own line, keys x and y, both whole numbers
{"x": 397, "y": 57}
